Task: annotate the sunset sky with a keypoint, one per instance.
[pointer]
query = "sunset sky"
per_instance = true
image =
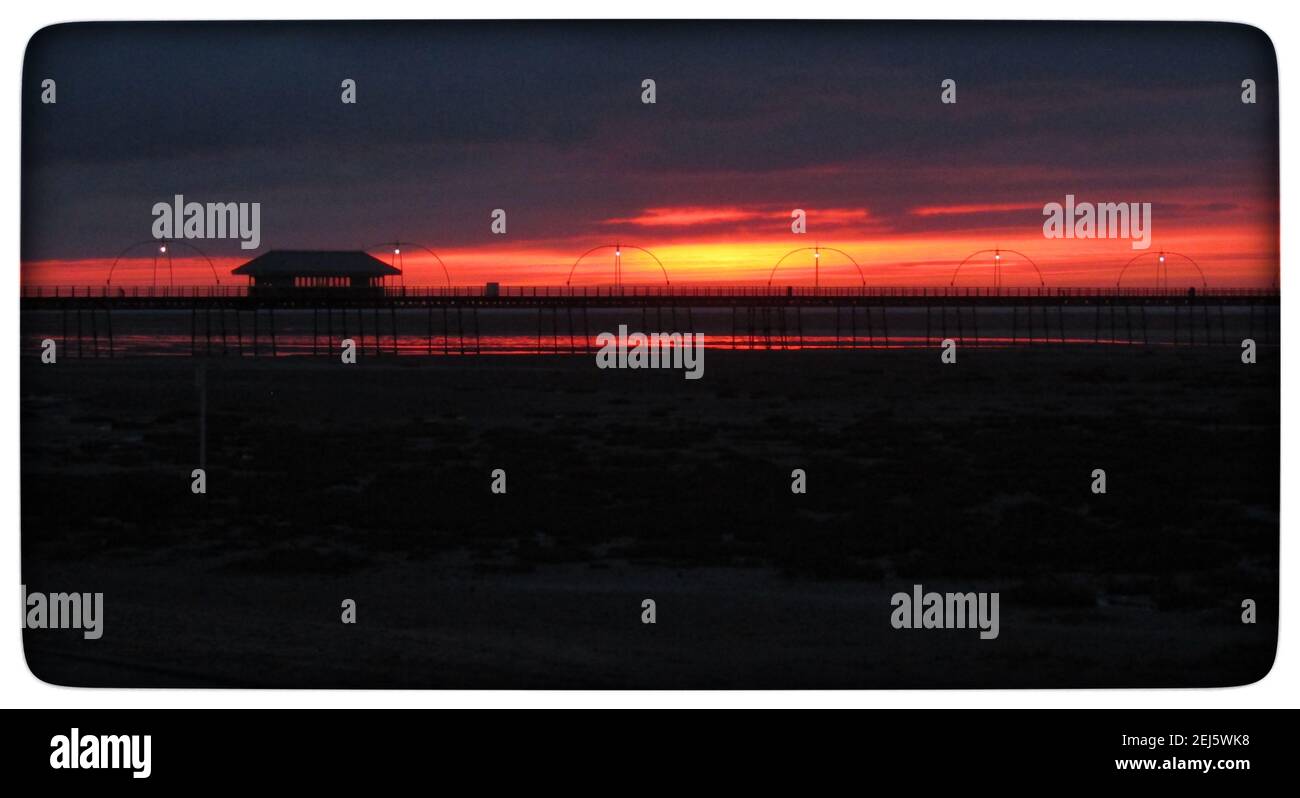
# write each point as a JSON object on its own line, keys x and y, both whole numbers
{"x": 751, "y": 121}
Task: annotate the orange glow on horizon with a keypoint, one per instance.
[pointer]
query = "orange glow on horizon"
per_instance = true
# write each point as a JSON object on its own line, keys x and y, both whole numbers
{"x": 1235, "y": 252}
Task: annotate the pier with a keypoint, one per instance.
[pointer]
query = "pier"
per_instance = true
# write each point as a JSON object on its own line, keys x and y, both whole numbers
{"x": 242, "y": 320}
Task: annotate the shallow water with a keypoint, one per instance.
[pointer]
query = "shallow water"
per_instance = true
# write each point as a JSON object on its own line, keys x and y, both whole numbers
{"x": 571, "y": 331}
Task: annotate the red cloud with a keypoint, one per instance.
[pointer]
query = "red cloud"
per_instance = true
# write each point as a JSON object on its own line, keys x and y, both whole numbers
{"x": 957, "y": 210}
{"x": 693, "y": 215}
{"x": 685, "y": 216}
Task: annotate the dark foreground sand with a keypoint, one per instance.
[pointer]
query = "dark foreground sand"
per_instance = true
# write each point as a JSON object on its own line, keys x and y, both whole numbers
{"x": 371, "y": 482}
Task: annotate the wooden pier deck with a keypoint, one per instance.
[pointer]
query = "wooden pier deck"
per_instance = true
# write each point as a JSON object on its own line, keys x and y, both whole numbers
{"x": 184, "y": 298}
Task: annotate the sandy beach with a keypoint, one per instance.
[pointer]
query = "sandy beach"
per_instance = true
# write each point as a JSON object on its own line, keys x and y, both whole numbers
{"x": 371, "y": 482}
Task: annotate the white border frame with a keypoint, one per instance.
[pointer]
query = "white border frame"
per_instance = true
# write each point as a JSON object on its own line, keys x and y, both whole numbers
{"x": 19, "y": 688}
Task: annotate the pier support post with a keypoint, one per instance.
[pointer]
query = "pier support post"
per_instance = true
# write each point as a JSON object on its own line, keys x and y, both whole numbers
{"x": 586, "y": 334}
{"x": 94, "y": 330}
{"x": 460, "y": 326}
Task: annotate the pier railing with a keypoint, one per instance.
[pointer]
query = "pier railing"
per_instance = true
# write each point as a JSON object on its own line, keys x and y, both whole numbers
{"x": 560, "y": 292}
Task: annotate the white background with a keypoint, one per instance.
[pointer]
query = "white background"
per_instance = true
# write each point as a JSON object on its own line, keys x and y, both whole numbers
{"x": 18, "y": 688}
